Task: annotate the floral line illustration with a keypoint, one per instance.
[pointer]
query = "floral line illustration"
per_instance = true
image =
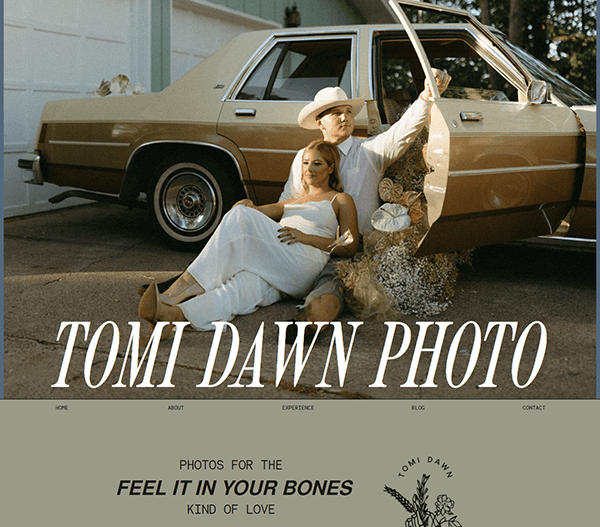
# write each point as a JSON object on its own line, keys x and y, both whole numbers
{"x": 420, "y": 515}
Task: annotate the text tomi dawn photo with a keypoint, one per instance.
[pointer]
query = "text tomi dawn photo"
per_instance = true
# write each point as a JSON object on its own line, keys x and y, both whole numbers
{"x": 342, "y": 199}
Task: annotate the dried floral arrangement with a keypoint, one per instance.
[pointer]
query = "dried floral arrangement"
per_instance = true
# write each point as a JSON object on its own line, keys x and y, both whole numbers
{"x": 119, "y": 85}
{"x": 409, "y": 171}
{"x": 386, "y": 281}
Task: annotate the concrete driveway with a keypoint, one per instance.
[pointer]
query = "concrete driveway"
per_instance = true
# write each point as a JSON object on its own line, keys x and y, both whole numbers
{"x": 84, "y": 264}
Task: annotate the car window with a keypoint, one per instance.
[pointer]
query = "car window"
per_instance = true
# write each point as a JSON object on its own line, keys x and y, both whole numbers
{"x": 256, "y": 85}
{"x": 297, "y": 70}
{"x": 401, "y": 75}
{"x": 566, "y": 91}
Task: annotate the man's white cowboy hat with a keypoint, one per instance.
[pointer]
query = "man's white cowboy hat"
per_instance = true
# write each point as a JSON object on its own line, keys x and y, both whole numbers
{"x": 324, "y": 100}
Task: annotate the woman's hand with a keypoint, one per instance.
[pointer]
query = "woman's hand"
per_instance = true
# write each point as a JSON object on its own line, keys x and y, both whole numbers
{"x": 245, "y": 203}
{"x": 290, "y": 235}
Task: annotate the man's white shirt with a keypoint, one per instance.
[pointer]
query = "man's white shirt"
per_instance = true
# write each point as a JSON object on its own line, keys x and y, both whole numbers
{"x": 363, "y": 163}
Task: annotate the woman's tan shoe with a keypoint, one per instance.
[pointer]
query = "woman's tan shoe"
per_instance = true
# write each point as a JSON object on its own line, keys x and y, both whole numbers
{"x": 152, "y": 309}
{"x": 184, "y": 288}
{"x": 148, "y": 308}
{"x": 162, "y": 286}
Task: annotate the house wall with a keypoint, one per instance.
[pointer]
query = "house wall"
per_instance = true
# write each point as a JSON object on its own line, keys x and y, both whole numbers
{"x": 312, "y": 12}
{"x": 200, "y": 28}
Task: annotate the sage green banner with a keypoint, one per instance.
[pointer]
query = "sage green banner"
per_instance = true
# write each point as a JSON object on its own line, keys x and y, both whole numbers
{"x": 292, "y": 463}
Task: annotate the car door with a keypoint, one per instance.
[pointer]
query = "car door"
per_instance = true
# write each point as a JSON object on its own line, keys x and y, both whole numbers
{"x": 502, "y": 168}
{"x": 261, "y": 109}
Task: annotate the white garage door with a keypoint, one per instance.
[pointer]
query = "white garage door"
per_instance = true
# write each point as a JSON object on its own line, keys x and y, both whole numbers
{"x": 199, "y": 28}
{"x": 59, "y": 49}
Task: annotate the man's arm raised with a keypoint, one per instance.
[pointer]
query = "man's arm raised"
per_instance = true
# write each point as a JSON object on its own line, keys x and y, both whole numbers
{"x": 391, "y": 144}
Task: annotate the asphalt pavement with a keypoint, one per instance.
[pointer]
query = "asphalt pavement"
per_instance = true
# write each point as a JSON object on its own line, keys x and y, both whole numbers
{"x": 521, "y": 326}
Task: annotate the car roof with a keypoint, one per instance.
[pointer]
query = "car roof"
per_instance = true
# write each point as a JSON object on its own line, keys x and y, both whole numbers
{"x": 356, "y": 27}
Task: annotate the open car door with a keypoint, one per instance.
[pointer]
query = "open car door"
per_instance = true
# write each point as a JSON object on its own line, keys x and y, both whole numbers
{"x": 502, "y": 169}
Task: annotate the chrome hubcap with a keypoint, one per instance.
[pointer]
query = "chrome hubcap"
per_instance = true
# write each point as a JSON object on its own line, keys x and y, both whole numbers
{"x": 189, "y": 201}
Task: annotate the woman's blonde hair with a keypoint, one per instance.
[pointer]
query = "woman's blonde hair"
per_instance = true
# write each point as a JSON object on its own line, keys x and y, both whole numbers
{"x": 329, "y": 152}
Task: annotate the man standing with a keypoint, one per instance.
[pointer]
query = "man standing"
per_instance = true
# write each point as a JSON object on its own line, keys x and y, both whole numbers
{"x": 362, "y": 166}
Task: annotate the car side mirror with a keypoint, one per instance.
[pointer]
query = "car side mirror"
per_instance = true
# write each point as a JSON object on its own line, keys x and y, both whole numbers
{"x": 539, "y": 92}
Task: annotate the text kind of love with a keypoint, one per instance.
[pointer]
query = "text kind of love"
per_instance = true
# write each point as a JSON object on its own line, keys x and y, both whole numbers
{"x": 499, "y": 332}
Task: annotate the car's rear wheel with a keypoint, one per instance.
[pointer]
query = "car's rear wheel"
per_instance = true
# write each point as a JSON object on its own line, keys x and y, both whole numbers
{"x": 188, "y": 199}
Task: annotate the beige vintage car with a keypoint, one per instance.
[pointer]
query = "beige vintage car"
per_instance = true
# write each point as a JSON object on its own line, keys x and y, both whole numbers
{"x": 511, "y": 144}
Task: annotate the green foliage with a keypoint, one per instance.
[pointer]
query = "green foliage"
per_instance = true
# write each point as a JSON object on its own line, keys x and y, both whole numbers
{"x": 576, "y": 61}
{"x": 572, "y": 27}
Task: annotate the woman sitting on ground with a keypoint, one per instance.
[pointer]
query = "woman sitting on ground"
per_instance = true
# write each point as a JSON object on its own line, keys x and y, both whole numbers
{"x": 257, "y": 253}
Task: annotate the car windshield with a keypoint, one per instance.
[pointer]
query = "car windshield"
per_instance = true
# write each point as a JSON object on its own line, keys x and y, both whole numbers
{"x": 568, "y": 93}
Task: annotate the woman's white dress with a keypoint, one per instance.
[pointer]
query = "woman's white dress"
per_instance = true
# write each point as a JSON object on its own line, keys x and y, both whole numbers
{"x": 244, "y": 265}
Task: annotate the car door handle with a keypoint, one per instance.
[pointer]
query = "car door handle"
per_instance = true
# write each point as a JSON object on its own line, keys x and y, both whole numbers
{"x": 245, "y": 112}
{"x": 471, "y": 116}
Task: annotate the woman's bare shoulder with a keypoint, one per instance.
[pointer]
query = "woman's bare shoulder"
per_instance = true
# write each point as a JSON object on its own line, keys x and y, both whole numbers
{"x": 344, "y": 199}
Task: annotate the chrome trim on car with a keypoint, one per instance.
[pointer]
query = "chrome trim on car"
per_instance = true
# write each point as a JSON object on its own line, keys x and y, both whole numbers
{"x": 355, "y": 65}
{"x": 497, "y": 58}
{"x": 269, "y": 151}
{"x": 370, "y": 76}
{"x": 326, "y": 31}
{"x": 550, "y": 229}
{"x": 471, "y": 116}
{"x": 552, "y": 241}
{"x": 583, "y": 240}
{"x": 93, "y": 196}
{"x": 259, "y": 101}
{"x": 492, "y": 171}
{"x": 86, "y": 143}
{"x": 245, "y": 112}
{"x": 197, "y": 143}
{"x": 32, "y": 163}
